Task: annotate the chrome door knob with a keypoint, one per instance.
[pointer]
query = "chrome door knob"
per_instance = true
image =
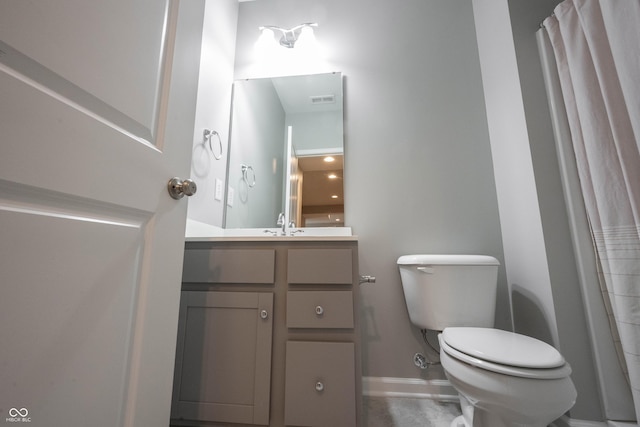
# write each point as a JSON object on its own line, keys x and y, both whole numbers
{"x": 179, "y": 188}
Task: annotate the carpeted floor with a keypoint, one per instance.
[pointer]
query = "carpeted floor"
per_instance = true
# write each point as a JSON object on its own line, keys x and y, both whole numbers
{"x": 408, "y": 412}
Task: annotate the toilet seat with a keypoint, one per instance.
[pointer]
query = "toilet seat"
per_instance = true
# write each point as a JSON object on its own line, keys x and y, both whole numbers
{"x": 504, "y": 352}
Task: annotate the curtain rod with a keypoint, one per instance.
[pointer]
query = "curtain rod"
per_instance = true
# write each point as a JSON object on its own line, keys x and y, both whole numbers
{"x": 542, "y": 23}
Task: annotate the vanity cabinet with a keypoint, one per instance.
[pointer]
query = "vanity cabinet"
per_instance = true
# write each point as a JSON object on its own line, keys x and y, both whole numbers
{"x": 268, "y": 335}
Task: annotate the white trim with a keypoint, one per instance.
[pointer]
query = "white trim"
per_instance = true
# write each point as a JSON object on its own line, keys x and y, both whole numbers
{"x": 441, "y": 390}
{"x": 312, "y": 152}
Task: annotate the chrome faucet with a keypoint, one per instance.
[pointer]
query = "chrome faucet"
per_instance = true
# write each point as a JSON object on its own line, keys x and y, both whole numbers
{"x": 282, "y": 222}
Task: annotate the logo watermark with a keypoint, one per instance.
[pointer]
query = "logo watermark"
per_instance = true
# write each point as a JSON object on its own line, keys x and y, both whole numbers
{"x": 18, "y": 416}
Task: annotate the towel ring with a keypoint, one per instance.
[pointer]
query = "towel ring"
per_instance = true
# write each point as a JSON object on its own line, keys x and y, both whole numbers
{"x": 207, "y": 138}
{"x": 245, "y": 175}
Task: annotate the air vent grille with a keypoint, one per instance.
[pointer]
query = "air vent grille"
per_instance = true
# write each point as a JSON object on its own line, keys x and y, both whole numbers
{"x": 323, "y": 99}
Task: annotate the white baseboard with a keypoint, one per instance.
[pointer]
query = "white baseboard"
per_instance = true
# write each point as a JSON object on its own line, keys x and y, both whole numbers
{"x": 440, "y": 390}
{"x": 570, "y": 422}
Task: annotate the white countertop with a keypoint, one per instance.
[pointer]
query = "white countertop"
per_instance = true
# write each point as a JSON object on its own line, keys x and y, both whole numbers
{"x": 200, "y": 232}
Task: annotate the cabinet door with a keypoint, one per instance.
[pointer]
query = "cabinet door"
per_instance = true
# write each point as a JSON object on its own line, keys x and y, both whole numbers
{"x": 223, "y": 361}
{"x": 320, "y": 384}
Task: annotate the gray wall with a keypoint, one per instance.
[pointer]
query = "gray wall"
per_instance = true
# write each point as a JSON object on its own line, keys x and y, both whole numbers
{"x": 418, "y": 168}
{"x": 317, "y": 132}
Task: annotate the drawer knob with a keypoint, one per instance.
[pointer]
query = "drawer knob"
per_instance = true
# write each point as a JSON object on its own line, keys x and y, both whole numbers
{"x": 319, "y": 386}
{"x": 319, "y": 310}
{"x": 264, "y": 314}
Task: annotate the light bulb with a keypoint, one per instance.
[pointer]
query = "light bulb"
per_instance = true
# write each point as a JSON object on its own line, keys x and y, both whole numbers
{"x": 306, "y": 38}
{"x": 266, "y": 39}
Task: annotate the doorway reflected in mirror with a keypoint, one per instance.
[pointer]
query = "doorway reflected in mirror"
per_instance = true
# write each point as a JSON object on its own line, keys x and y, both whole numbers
{"x": 322, "y": 191}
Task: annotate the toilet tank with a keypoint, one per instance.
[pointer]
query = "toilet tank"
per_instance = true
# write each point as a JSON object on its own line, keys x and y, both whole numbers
{"x": 449, "y": 290}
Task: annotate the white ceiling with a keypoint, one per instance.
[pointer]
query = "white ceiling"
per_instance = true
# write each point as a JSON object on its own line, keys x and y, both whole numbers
{"x": 295, "y": 92}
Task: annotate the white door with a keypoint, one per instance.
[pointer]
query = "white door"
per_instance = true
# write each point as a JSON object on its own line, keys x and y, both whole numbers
{"x": 97, "y": 104}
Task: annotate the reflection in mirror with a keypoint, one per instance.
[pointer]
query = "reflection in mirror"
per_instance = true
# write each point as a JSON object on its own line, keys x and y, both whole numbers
{"x": 286, "y": 129}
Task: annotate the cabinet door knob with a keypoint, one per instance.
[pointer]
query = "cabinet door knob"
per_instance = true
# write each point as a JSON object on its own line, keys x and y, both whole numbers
{"x": 264, "y": 314}
{"x": 319, "y": 386}
{"x": 319, "y": 310}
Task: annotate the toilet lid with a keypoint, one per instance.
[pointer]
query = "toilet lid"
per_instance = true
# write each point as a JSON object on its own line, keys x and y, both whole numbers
{"x": 505, "y": 348}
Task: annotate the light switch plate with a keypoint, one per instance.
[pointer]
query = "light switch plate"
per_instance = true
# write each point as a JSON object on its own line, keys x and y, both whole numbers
{"x": 230, "y": 196}
{"x": 218, "y": 191}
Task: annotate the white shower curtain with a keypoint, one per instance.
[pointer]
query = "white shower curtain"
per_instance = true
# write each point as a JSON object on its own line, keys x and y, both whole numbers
{"x": 597, "y": 49}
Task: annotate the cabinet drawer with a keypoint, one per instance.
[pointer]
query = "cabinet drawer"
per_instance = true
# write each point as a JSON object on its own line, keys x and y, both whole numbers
{"x": 229, "y": 266}
{"x": 320, "y": 384}
{"x": 319, "y": 309}
{"x": 319, "y": 266}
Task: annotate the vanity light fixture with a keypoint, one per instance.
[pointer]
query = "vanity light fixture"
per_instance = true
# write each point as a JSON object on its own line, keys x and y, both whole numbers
{"x": 301, "y": 34}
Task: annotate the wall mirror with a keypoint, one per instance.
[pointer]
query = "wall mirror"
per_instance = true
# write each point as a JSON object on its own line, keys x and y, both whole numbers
{"x": 286, "y": 152}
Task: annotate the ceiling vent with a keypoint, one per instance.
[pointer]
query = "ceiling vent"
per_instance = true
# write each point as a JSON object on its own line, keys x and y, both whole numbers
{"x": 322, "y": 99}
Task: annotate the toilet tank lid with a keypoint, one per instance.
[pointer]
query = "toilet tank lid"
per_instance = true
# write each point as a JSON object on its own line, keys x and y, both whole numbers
{"x": 503, "y": 347}
{"x": 426, "y": 259}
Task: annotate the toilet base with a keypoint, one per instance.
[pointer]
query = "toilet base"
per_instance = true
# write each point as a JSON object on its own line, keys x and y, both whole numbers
{"x": 461, "y": 422}
{"x": 476, "y": 417}
{"x": 458, "y": 422}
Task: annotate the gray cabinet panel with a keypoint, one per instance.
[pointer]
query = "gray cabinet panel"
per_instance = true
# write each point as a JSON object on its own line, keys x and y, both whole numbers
{"x": 319, "y": 309}
{"x": 320, "y": 266}
{"x": 223, "y": 362}
{"x": 229, "y": 266}
{"x": 320, "y": 384}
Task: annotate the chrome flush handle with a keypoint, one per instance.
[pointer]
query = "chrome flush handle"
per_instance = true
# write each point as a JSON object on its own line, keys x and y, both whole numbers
{"x": 367, "y": 279}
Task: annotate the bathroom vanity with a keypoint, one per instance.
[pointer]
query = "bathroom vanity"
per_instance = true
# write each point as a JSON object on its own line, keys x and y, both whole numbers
{"x": 268, "y": 333}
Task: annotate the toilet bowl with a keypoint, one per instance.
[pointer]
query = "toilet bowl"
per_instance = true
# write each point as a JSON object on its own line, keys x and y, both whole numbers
{"x": 505, "y": 379}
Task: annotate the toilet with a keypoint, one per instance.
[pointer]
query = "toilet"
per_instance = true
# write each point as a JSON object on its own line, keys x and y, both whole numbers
{"x": 503, "y": 379}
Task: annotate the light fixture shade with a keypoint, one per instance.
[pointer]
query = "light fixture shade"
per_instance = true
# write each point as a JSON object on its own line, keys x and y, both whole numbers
{"x": 266, "y": 38}
{"x": 299, "y": 35}
{"x": 306, "y": 38}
